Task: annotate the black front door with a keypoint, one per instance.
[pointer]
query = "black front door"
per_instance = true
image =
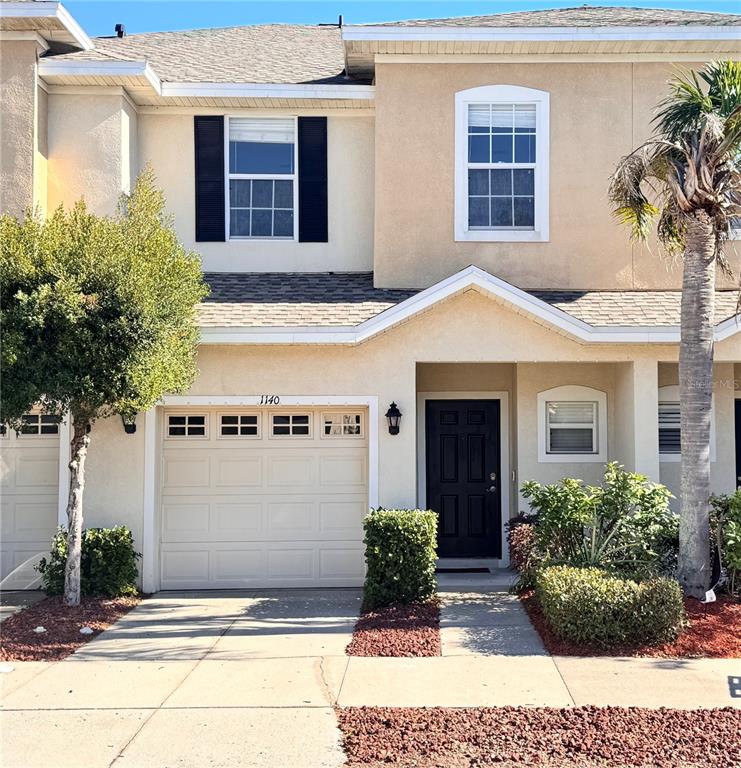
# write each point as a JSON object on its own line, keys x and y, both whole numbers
{"x": 463, "y": 476}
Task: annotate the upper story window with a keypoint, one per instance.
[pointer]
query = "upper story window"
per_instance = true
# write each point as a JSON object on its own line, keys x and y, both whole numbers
{"x": 262, "y": 189}
{"x": 501, "y": 164}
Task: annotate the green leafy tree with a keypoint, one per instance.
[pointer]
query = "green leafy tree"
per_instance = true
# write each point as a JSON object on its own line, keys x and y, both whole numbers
{"x": 98, "y": 318}
{"x": 687, "y": 179}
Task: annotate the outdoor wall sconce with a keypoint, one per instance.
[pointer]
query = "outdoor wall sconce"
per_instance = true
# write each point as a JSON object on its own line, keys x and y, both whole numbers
{"x": 129, "y": 424}
{"x": 393, "y": 416}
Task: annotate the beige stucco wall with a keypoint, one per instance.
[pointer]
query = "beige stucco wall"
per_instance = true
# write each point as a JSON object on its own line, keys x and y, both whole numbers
{"x": 92, "y": 149}
{"x": 18, "y": 135}
{"x": 598, "y": 113}
{"x": 166, "y": 141}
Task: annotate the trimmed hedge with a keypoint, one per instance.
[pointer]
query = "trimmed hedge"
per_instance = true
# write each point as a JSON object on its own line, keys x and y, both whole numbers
{"x": 588, "y": 606}
{"x": 400, "y": 555}
{"x": 108, "y": 563}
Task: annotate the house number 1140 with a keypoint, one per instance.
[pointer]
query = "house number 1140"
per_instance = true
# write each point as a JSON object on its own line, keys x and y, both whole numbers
{"x": 269, "y": 400}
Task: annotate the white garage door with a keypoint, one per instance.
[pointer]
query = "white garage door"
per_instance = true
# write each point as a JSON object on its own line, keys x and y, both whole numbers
{"x": 270, "y": 498}
{"x": 28, "y": 493}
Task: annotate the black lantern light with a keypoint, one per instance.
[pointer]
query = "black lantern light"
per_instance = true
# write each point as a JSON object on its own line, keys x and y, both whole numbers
{"x": 393, "y": 416}
{"x": 129, "y": 423}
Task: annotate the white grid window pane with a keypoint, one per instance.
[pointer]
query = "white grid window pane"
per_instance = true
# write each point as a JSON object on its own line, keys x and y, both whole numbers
{"x": 186, "y": 426}
{"x": 298, "y": 425}
{"x": 571, "y": 427}
{"x": 239, "y": 425}
{"x": 39, "y": 424}
{"x": 501, "y": 175}
{"x": 669, "y": 431}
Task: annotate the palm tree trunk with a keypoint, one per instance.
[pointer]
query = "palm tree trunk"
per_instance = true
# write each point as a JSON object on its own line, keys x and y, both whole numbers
{"x": 695, "y": 400}
{"x": 78, "y": 451}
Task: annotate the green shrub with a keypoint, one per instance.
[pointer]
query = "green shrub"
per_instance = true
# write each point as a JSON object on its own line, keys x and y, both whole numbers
{"x": 726, "y": 536}
{"x": 590, "y": 607}
{"x": 624, "y": 525}
{"x": 400, "y": 555}
{"x": 524, "y": 555}
{"x": 108, "y": 563}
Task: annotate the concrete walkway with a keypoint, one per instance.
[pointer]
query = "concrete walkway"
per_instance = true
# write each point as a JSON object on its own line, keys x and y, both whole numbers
{"x": 12, "y": 601}
{"x": 250, "y": 679}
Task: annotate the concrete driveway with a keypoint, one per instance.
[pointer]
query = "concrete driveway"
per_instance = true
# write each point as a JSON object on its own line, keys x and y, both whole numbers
{"x": 190, "y": 679}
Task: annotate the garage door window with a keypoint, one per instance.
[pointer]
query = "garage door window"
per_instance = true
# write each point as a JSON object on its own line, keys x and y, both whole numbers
{"x": 291, "y": 425}
{"x": 39, "y": 424}
{"x": 186, "y": 426}
{"x": 239, "y": 425}
{"x": 342, "y": 425}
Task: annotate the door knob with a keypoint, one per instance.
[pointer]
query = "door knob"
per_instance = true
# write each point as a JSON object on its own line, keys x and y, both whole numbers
{"x": 491, "y": 489}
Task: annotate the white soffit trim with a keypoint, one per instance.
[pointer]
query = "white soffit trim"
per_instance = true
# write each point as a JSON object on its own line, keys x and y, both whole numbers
{"x": 470, "y": 277}
{"x": 352, "y": 32}
{"x": 122, "y": 69}
{"x": 268, "y": 90}
{"x": 48, "y": 10}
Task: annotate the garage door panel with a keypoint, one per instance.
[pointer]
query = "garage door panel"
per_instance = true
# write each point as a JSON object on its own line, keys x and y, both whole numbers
{"x": 237, "y": 520}
{"x": 342, "y": 471}
{"x": 185, "y": 567}
{"x": 36, "y": 470}
{"x": 294, "y": 516}
{"x": 293, "y": 471}
{"x": 343, "y": 517}
{"x": 183, "y": 522}
{"x": 344, "y": 564}
{"x": 240, "y": 472}
{"x": 34, "y": 518}
{"x": 291, "y": 563}
{"x": 186, "y": 471}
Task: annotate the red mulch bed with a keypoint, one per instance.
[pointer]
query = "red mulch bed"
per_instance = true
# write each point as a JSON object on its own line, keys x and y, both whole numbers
{"x": 18, "y": 641}
{"x": 713, "y": 633}
{"x": 515, "y": 737}
{"x": 398, "y": 630}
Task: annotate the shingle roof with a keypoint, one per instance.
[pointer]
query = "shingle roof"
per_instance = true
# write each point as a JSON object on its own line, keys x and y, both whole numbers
{"x": 272, "y": 53}
{"x": 579, "y": 16}
{"x": 294, "y": 299}
{"x": 636, "y": 308}
{"x": 286, "y": 300}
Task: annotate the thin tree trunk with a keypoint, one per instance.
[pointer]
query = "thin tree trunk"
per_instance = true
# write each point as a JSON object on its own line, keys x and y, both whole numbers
{"x": 78, "y": 452}
{"x": 695, "y": 400}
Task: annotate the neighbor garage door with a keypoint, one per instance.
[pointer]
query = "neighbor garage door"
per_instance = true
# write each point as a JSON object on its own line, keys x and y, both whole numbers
{"x": 270, "y": 498}
{"x": 29, "y": 463}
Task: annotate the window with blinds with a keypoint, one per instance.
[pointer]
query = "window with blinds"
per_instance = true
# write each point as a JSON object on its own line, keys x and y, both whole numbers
{"x": 501, "y": 166}
{"x": 669, "y": 432}
{"x": 571, "y": 427}
{"x": 262, "y": 178}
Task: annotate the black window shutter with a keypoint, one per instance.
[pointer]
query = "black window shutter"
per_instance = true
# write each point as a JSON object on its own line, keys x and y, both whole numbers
{"x": 209, "y": 146}
{"x": 312, "y": 180}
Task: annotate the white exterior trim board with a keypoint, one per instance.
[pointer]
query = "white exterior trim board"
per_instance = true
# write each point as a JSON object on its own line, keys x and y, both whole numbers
{"x": 48, "y": 10}
{"x": 268, "y": 91}
{"x": 353, "y": 32}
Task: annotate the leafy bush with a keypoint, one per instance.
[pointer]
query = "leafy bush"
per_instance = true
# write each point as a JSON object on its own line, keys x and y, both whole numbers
{"x": 524, "y": 554}
{"x": 726, "y": 536}
{"x": 108, "y": 563}
{"x": 400, "y": 554}
{"x": 623, "y": 525}
{"x": 588, "y": 606}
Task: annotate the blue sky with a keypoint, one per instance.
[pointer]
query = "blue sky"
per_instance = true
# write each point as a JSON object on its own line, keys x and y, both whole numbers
{"x": 98, "y": 17}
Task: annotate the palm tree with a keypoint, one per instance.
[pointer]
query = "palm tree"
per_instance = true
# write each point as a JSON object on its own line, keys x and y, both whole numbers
{"x": 687, "y": 179}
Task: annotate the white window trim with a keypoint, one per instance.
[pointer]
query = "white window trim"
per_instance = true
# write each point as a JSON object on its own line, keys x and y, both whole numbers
{"x": 670, "y": 394}
{"x": 506, "y": 94}
{"x": 325, "y": 414}
{"x": 290, "y": 435}
{"x": 187, "y": 414}
{"x": 572, "y": 393}
{"x": 219, "y": 416}
{"x": 228, "y": 176}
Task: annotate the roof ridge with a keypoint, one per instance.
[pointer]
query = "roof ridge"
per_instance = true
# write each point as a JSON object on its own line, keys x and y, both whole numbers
{"x": 199, "y": 30}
